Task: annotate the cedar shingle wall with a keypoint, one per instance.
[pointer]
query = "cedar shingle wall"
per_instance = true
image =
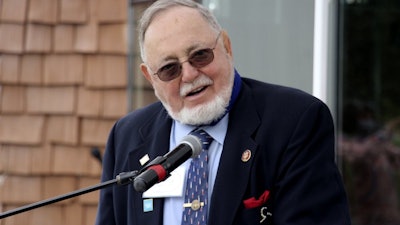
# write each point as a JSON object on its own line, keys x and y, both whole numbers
{"x": 63, "y": 80}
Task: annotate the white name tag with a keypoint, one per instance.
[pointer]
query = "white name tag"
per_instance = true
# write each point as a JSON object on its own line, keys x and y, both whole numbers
{"x": 171, "y": 187}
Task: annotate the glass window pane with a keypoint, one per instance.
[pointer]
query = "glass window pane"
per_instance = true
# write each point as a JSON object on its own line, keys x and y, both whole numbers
{"x": 272, "y": 40}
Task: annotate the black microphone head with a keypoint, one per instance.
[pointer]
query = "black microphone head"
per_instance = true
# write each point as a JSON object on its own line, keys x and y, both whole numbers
{"x": 195, "y": 144}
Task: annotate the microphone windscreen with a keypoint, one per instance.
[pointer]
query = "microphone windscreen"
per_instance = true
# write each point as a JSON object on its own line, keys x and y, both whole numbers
{"x": 194, "y": 142}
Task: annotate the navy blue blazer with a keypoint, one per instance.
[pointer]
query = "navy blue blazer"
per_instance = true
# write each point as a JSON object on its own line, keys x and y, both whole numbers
{"x": 289, "y": 177}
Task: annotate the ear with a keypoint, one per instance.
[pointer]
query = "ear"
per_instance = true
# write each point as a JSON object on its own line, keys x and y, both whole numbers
{"x": 227, "y": 42}
{"x": 146, "y": 72}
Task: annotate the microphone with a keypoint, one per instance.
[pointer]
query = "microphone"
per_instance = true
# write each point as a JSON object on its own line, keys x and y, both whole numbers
{"x": 160, "y": 168}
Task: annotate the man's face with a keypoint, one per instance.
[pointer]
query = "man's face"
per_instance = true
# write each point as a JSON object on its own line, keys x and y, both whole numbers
{"x": 174, "y": 35}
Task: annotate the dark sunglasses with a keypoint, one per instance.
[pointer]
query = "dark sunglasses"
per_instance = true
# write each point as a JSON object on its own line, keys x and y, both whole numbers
{"x": 197, "y": 59}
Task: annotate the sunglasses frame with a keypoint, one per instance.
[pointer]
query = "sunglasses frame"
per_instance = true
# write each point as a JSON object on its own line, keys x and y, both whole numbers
{"x": 179, "y": 64}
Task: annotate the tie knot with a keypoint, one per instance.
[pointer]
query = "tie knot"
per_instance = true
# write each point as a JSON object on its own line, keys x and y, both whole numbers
{"x": 205, "y": 138}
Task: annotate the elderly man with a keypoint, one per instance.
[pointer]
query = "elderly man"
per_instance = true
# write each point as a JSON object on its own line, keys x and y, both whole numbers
{"x": 270, "y": 156}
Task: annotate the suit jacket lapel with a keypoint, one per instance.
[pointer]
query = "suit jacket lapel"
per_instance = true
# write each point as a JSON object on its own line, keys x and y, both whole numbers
{"x": 155, "y": 137}
{"x": 234, "y": 169}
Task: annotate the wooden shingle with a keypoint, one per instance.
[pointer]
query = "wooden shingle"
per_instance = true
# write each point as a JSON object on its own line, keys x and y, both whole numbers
{"x": 106, "y": 71}
{"x": 73, "y": 214}
{"x": 112, "y": 11}
{"x": 11, "y": 38}
{"x": 57, "y": 185}
{"x": 63, "y": 38}
{"x": 13, "y": 11}
{"x": 62, "y": 130}
{"x": 51, "y": 100}
{"x": 17, "y": 159}
{"x": 12, "y": 99}
{"x": 95, "y": 131}
{"x": 15, "y": 189}
{"x": 115, "y": 103}
{"x": 43, "y": 11}
{"x": 90, "y": 212}
{"x": 41, "y": 160}
{"x": 25, "y": 160}
{"x": 17, "y": 129}
{"x": 31, "y": 69}
{"x": 91, "y": 198}
{"x": 49, "y": 215}
{"x": 113, "y": 38}
{"x": 64, "y": 155}
{"x": 74, "y": 11}
{"x": 90, "y": 102}
{"x": 9, "y": 68}
{"x": 65, "y": 69}
{"x": 86, "y": 39}
{"x": 38, "y": 38}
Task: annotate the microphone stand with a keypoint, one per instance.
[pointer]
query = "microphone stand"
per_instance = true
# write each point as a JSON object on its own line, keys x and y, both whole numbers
{"x": 121, "y": 179}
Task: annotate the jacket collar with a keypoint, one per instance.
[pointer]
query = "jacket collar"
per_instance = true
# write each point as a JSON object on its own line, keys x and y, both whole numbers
{"x": 243, "y": 123}
{"x": 155, "y": 142}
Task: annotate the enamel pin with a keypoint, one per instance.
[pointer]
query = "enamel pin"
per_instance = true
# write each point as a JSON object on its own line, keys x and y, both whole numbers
{"x": 147, "y": 205}
{"x": 246, "y": 155}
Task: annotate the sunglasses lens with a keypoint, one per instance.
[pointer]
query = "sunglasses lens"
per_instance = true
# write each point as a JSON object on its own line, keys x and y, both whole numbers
{"x": 201, "y": 58}
{"x": 198, "y": 59}
{"x": 169, "y": 71}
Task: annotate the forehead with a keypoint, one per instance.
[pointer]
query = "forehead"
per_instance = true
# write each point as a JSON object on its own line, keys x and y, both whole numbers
{"x": 174, "y": 30}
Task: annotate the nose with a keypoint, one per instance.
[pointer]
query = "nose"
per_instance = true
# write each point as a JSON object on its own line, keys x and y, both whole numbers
{"x": 189, "y": 72}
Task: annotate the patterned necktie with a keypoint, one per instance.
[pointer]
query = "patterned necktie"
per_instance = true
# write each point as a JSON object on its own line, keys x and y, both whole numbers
{"x": 196, "y": 194}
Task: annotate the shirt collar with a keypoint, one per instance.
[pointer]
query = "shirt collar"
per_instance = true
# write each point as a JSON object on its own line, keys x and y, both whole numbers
{"x": 216, "y": 131}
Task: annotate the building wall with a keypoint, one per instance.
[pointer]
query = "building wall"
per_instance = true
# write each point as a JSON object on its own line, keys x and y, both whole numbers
{"x": 63, "y": 84}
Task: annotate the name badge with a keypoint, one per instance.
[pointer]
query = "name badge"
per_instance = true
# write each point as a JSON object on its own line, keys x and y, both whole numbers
{"x": 171, "y": 187}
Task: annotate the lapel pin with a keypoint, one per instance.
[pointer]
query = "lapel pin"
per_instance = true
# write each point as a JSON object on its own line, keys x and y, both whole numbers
{"x": 246, "y": 155}
{"x": 144, "y": 159}
{"x": 147, "y": 205}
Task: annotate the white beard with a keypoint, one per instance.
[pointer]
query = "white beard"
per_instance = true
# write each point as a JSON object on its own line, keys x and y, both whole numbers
{"x": 202, "y": 114}
{"x": 205, "y": 113}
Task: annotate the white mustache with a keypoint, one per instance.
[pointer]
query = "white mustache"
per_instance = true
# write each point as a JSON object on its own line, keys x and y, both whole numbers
{"x": 201, "y": 81}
